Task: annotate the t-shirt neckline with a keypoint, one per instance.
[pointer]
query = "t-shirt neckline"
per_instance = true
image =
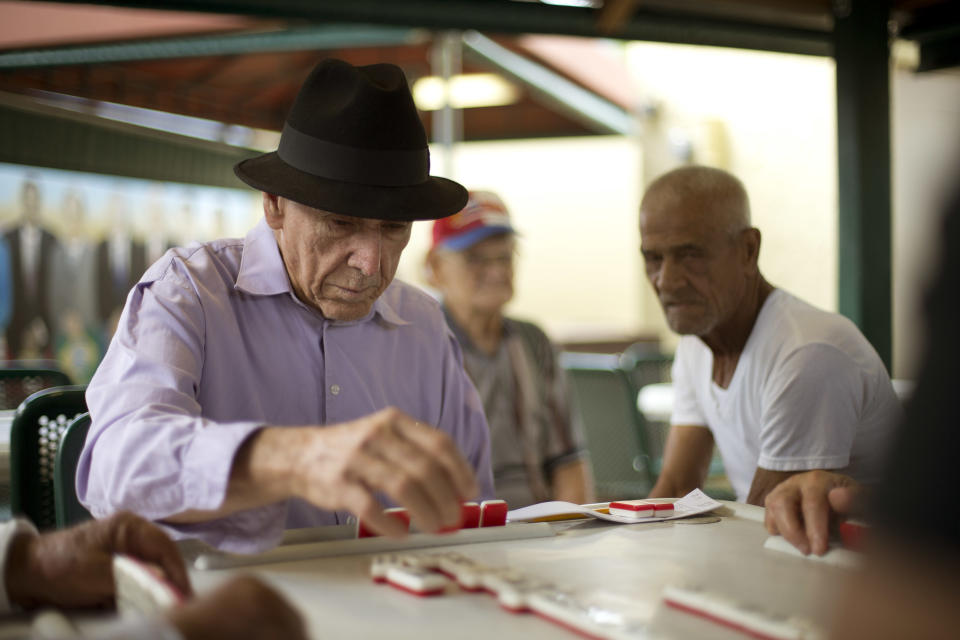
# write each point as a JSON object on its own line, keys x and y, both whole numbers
{"x": 716, "y": 390}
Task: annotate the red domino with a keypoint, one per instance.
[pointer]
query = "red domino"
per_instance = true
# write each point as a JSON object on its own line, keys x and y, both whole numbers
{"x": 493, "y": 513}
{"x": 631, "y": 506}
{"x": 663, "y": 509}
{"x": 471, "y": 515}
{"x": 852, "y": 535}
{"x": 636, "y": 509}
{"x": 397, "y": 513}
{"x": 469, "y": 518}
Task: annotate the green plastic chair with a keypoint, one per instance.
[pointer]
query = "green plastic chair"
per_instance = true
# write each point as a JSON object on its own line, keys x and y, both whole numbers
{"x": 68, "y": 508}
{"x": 17, "y": 384}
{"x": 645, "y": 364}
{"x": 613, "y": 428}
{"x": 35, "y": 436}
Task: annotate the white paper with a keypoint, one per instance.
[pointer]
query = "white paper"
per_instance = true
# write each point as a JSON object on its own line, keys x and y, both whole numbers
{"x": 835, "y": 555}
{"x": 694, "y": 503}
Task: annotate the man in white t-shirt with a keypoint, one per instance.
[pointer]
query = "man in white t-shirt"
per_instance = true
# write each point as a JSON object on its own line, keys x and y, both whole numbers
{"x": 780, "y": 386}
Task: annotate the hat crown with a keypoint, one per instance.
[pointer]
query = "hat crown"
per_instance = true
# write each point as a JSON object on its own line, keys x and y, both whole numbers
{"x": 367, "y": 107}
{"x": 353, "y": 143}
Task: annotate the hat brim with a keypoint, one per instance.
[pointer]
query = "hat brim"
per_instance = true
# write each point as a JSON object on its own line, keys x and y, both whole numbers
{"x": 470, "y": 238}
{"x": 432, "y": 199}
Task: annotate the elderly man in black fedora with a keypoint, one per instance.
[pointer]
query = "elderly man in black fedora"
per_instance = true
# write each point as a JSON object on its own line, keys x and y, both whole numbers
{"x": 286, "y": 380}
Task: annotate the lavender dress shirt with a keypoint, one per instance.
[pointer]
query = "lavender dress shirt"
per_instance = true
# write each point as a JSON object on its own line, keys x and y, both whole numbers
{"x": 213, "y": 345}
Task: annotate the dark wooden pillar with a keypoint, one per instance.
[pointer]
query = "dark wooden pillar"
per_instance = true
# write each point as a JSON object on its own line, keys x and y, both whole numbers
{"x": 861, "y": 50}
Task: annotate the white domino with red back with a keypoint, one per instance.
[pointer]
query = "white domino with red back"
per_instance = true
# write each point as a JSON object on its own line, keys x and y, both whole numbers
{"x": 141, "y": 587}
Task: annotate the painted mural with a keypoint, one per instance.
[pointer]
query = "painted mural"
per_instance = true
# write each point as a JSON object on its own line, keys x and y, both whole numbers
{"x": 73, "y": 244}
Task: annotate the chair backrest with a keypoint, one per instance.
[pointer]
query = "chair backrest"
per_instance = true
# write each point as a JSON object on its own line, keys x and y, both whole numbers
{"x": 34, "y": 438}
{"x": 645, "y": 365}
{"x": 68, "y": 507}
{"x": 613, "y": 428}
{"x": 17, "y": 384}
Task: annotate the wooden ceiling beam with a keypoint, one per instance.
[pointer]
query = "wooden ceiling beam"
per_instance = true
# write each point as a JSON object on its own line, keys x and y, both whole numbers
{"x": 614, "y": 15}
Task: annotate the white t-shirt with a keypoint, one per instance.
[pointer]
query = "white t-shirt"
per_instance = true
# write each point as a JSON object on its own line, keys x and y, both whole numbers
{"x": 809, "y": 392}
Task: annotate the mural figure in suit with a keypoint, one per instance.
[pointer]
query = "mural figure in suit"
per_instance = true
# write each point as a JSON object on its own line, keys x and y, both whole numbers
{"x": 31, "y": 246}
{"x": 121, "y": 261}
{"x": 73, "y": 294}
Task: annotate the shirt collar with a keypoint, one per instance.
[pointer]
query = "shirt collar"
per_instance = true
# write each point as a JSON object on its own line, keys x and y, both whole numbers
{"x": 262, "y": 272}
{"x": 385, "y": 310}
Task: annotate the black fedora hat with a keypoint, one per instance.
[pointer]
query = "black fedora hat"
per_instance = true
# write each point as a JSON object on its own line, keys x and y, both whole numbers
{"x": 353, "y": 144}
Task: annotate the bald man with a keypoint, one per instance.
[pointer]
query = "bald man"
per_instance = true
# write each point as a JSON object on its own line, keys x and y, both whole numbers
{"x": 780, "y": 386}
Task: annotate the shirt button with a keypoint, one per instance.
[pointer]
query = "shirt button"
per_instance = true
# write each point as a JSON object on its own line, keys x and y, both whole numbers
{"x": 335, "y": 389}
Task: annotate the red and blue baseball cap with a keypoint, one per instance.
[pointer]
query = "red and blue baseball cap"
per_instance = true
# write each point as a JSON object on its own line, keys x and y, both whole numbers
{"x": 485, "y": 215}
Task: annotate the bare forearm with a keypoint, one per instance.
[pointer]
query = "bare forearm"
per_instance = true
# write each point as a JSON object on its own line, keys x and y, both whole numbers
{"x": 572, "y": 482}
{"x": 686, "y": 460}
{"x": 673, "y": 487}
{"x": 765, "y": 481}
{"x": 260, "y": 475}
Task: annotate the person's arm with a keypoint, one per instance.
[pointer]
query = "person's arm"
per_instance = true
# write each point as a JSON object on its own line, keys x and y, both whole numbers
{"x": 243, "y": 608}
{"x": 811, "y": 409}
{"x": 764, "y": 481}
{"x": 686, "y": 461}
{"x": 149, "y": 448}
{"x": 572, "y": 482}
{"x": 344, "y": 466}
{"x": 801, "y": 508}
{"x": 74, "y": 567}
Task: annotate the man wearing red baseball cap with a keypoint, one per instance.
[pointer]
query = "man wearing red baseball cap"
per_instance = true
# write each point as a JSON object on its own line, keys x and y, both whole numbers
{"x": 536, "y": 445}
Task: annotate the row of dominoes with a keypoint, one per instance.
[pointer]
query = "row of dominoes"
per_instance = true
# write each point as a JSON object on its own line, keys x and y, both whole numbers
{"x": 432, "y": 574}
{"x": 489, "y": 513}
{"x": 639, "y": 509}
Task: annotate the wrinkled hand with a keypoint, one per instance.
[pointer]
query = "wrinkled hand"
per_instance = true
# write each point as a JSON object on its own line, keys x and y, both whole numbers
{"x": 74, "y": 567}
{"x": 243, "y": 609}
{"x": 801, "y": 507}
{"x": 414, "y": 464}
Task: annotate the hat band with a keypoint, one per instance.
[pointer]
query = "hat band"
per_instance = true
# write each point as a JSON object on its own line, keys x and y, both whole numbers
{"x": 388, "y": 168}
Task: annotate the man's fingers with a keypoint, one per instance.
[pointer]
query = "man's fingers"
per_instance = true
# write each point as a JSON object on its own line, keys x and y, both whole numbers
{"x": 816, "y": 518}
{"x": 385, "y": 473}
{"x": 443, "y": 449}
{"x": 845, "y": 500}
{"x": 416, "y": 471}
{"x": 769, "y": 521}
{"x": 785, "y": 510}
{"x": 366, "y": 507}
{"x": 145, "y": 541}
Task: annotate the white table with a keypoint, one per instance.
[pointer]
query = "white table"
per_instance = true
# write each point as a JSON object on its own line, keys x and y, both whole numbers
{"x": 624, "y": 567}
